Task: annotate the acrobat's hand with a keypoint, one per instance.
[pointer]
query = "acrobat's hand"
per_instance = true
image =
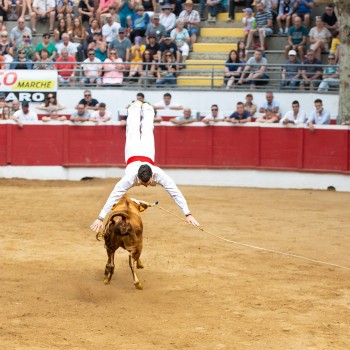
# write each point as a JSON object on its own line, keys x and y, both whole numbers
{"x": 97, "y": 225}
{"x": 192, "y": 221}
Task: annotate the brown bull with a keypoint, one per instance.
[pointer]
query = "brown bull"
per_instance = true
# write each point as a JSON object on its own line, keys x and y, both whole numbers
{"x": 124, "y": 228}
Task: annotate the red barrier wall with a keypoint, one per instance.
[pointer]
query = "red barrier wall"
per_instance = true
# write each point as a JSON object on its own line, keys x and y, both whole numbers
{"x": 275, "y": 147}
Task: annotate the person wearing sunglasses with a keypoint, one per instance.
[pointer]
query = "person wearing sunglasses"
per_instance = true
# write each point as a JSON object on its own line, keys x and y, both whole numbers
{"x": 50, "y": 104}
{"x": 89, "y": 102}
{"x": 27, "y": 45}
{"x": 48, "y": 45}
{"x": 214, "y": 116}
{"x": 330, "y": 76}
{"x": 167, "y": 69}
{"x": 5, "y": 44}
{"x": 21, "y": 61}
{"x": 92, "y": 69}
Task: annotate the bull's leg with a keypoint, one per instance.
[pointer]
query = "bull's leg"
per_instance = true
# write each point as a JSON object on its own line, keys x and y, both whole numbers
{"x": 109, "y": 270}
{"x": 139, "y": 264}
{"x": 132, "y": 264}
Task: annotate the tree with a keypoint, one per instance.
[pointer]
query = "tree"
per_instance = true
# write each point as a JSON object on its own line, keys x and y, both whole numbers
{"x": 342, "y": 8}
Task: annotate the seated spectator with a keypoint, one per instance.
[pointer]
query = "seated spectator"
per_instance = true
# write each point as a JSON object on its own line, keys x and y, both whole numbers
{"x": 249, "y": 105}
{"x": 5, "y": 44}
{"x": 92, "y": 70}
{"x": 78, "y": 36}
{"x": 18, "y": 31}
{"x": 99, "y": 46}
{"x": 139, "y": 23}
{"x": 303, "y": 9}
{"x": 68, "y": 45}
{"x": 154, "y": 47}
{"x": 89, "y": 102}
{"x": 272, "y": 6}
{"x": 256, "y": 70}
{"x": 248, "y": 21}
{"x": 167, "y": 18}
{"x": 24, "y": 115}
{"x": 48, "y": 45}
{"x": 103, "y": 9}
{"x": 150, "y": 6}
{"x": 137, "y": 51}
{"x": 242, "y": 52}
{"x": 169, "y": 45}
{"x": 294, "y": 116}
{"x": 43, "y": 10}
{"x": 81, "y": 115}
{"x": 181, "y": 38}
{"x": 148, "y": 69}
{"x": 113, "y": 69}
{"x": 233, "y": 69}
{"x": 125, "y": 9}
{"x": 61, "y": 28}
{"x": 214, "y": 116}
{"x": 320, "y": 38}
{"x": 50, "y": 104}
{"x": 214, "y": 7}
{"x": 4, "y": 8}
{"x": 86, "y": 10}
{"x": 297, "y": 37}
{"x": 65, "y": 11}
{"x": 110, "y": 29}
{"x": 285, "y": 12}
{"x": 27, "y": 46}
{"x": 192, "y": 20}
{"x": 54, "y": 117}
{"x": 330, "y": 76}
{"x": 269, "y": 117}
{"x": 166, "y": 71}
{"x": 311, "y": 73}
{"x": 156, "y": 30}
{"x": 5, "y": 113}
{"x": 167, "y": 103}
{"x": 263, "y": 26}
{"x": 187, "y": 118}
{"x": 240, "y": 115}
{"x": 123, "y": 45}
{"x": 177, "y": 6}
{"x": 21, "y": 62}
{"x": 93, "y": 29}
{"x": 270, "y": 103}
{"x": 66, "y": 65}
{"x": 101, "y": 115}
{"x": 330, "y": 19}
{"x": 44, "y": 62}
{"x": 291, "y": 72}
{"x": 319, "y": 116}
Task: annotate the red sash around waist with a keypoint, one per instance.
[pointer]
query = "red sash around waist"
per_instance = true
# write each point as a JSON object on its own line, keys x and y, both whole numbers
{"x": 139, "y": 159}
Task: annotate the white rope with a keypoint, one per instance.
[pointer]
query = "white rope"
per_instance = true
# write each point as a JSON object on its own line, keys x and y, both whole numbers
{"x": 260, "y": 248}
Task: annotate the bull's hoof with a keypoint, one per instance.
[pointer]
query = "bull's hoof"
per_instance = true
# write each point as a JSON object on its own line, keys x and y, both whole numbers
{"x": 107, "y": 281}
{"x": 139, "y": 264}
{"x": 138, "y": 285}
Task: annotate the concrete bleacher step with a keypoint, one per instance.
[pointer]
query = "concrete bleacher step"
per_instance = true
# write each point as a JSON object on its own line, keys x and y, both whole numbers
{"x": 199, "y": 81}
{"x": 222, "y": 25}
{"x": 214, "y": 47}
{"x": 223, "y": 16}
{"x": 208, "y": 56}
{"x": 218, "y": 40}
{"x": 205, "y": 64}
{"x": 222, "y": 32}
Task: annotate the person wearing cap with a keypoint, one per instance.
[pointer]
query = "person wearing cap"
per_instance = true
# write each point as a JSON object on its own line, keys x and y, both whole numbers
{"x": 156, "y": 29}
{"x": 123, "y": 45}
{"x": 47, "y": 45}
{"x": 154, "y": 47}
{"x": 169, "y": 45}
{"x": 214, "y": 7}
{"x": 297, "y": 37}
{"x": 24, "y": 115}
{"x": 248, "y": 22}
{"x": 291, "y": 72}
{"x": 43, "y": 9}
{"x": 167, "y": 17}
{"x": 139, "y": 23}
{"x": 65, "y": 11}
{"x": 191, "y": 19}
{"x": 110, "y": 29}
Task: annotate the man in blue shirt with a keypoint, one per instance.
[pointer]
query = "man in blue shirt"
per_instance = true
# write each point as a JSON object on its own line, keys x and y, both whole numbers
{"x": 240, "y": 115}
{"x": 303, "y": 8}
{"x": 319, "y": 116}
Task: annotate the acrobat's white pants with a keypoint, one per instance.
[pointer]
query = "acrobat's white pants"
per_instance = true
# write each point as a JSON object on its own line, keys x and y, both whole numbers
{"x": 139, "y": 132}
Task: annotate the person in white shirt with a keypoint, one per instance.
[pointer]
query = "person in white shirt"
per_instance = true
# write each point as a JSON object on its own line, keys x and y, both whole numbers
{"x": 270, "y": 103}
{"x": 110, "y": 29}
{"x": 167, "y": 18}
{"x": 166, "y": 103}
{"x": 43, "y": 9}
{"x": 24, "y": 115}
{"x": 140, "y": 169}
{"x": 294, "y": 116}
{"x": 101, "y": 115}
{"x": 66, "y": 44}
{"x": 92, "y": 69}
{"x": 214, "y": 116}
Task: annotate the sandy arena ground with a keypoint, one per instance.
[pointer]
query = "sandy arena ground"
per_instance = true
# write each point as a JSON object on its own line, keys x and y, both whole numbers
{"x": 199, "y": 292}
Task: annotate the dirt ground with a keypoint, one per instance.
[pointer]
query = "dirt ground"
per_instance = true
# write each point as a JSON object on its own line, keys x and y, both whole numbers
{"x": 199, "y": 292}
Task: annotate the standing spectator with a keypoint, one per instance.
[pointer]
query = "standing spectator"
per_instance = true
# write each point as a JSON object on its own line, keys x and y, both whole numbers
{"x": 181, "y": 37}
{"x": 155, "y": 29}
{"x": 166, "y": 70}
{"x": 214, "y": 116}
{"x": 320, "y": 38}
{"x": 263, "y": 26}
{"x": 101, "y": 115}
{"x": 291, "y": 72}
{"x": 330, "y": 76}
{"x": 18, "y": 31}
{"x": 311, "y": 72}
{"x": 303, "y": 9}
{"x": 214, "y": 7}
{"x": 269, "y": 117}
{"x": 113, "y": 69}
{"x": 86, "y": 11}
{"x": 148, "y": 69}
{"x": 167, "y": 18}
{"x": 294, "y": 116}
{"x": 92, "y": 69}
{"x": 233, "y": 69}
{"x": 125, "y": 9}
{"x": 42, "y": 10}
{"x": 21, "y": 62}
{"x": 249, "y": 105}
{"x": 154, "y": 47}
{"x": 330, "y": 19}
{"x": 61, "y": 28}
{"x": 66, "y": 66}
{"x": 167, "y": 103}
{"x": 78, "y": 36}
{"x": 48, "y": 45}
{"x": 187, "y": 118}
{"x": 270, "y": 103}
{"x": 248, "y": 22}
{"x": 122, "y": 45}
{"x": 81, "y": 114}
{"x": 285, "y": 11}
{"x": 65, "y": 11}
{"x": 297, "y": 37}
{"x": 110, "y": 29}
{"x": 88, "y": 101}
{"x": 139, "y": 23}
{"x": 241, "y": 115}
{"x": 68, "y": 45}
{"x": 24, "y": 115}
{"x": 256, "y": 70}
{"x": 191, "y": 19}
{"x": 319, "y": 116}
{"x": 44, "y": 62}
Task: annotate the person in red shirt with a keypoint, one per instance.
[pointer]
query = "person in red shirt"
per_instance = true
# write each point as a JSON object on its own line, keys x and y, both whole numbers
{"x": 66, "y": 66}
